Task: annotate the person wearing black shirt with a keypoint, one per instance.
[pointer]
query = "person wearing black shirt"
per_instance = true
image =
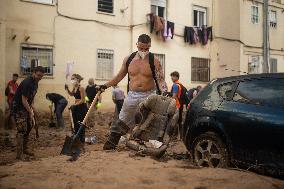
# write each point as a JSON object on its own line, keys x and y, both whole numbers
{"x": 23, "y": 111}
{"x": 91, "y": 91}
{"x": 59, "y": 105}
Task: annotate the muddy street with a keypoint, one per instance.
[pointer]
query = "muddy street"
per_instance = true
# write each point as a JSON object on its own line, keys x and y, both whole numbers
{"x": 115, "y": 169}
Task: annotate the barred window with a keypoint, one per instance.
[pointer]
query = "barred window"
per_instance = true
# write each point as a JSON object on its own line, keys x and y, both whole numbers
{"x": 105, "y": 6}
{"x": 104, "y": 64}
{"x": 254, "y": 14}
{"x": 36, "y": 56}
{"x": 200, "y": 69}
{"x": 254, "y": 65}
{"x": 161, "y": 58}
{"x": 273, "y": 19}
{"x": 273, "y": 65}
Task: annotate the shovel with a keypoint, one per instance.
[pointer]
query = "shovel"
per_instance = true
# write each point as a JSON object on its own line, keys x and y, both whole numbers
{"x": 71, "y": 143}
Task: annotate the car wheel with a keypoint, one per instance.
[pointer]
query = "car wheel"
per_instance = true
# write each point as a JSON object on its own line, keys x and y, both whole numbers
{"x": 210, "y": 151}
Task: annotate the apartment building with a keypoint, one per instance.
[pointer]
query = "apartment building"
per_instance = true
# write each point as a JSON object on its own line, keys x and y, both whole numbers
{"x": 95, "y": 36}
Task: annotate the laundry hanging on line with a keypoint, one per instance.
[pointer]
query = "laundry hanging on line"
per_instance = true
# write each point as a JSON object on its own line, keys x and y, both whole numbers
{"x": 194, "y": 35}
{"x": 161, "y": 27}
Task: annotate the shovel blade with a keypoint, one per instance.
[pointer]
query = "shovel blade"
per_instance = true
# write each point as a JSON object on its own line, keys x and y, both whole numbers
{"x": 71, "y": 145}
{"x": 67, "y": 147}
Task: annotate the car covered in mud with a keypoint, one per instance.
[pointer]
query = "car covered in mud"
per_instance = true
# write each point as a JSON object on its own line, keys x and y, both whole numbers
{"x": 238, "y": 120}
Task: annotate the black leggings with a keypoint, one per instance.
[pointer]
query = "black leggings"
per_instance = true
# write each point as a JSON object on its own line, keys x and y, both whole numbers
{"x": 78, "y": 113}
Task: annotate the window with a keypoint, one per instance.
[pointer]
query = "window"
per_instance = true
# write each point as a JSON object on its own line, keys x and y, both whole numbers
{"x": 226, "y": 90}
{"x": 199, "y": 16}
{"x": 254, "y": 65}
{"x": 36, "y": 56}
{"x": 161, "y": 58}
{"x": 273, "y": 19}
{"x": 158, "y": 7}
{"x": 105, "y": 6}
{"x": 200, "y": 69}
{"x": 51, "y": 2}
{"x": 104, "y": 64}
{"x": 273, "y": 65}
{"x": 254, "y": 14}
{"x": 268, "y": 91}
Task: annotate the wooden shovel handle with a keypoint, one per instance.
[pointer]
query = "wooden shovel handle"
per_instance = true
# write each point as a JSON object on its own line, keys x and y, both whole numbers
{"x": 91, "y": 107}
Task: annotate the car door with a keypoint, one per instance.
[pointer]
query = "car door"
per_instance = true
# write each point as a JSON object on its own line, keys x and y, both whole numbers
{"x": 254, "y": 120}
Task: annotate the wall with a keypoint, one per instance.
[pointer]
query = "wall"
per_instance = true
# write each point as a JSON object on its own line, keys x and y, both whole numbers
{"x": 2, "y": 61}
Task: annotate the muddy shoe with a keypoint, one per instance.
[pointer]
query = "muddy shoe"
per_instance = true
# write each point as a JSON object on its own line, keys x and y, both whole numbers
{"x": 25, "y": 145}
{"x": 19, "y": 148}
{"x": 112, "y": 141}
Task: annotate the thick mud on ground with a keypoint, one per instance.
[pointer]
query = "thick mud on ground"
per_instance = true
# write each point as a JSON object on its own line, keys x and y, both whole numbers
{"x": 115, "y": 169}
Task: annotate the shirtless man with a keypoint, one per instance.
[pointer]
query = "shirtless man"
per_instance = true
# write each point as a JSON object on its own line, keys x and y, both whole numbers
{"x": 141, "y": 85}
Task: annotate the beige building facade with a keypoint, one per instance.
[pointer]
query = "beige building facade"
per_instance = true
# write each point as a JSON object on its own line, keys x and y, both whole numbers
{"x": 96, "y": 35}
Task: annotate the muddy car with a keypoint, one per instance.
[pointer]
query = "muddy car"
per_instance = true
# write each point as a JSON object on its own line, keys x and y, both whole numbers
{"x": 238, "y": 120}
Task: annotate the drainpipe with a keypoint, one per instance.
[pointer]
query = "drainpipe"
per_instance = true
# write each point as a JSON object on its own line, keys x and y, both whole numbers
{"x": 131, "y": 25}
{"x": 265, "y": 37}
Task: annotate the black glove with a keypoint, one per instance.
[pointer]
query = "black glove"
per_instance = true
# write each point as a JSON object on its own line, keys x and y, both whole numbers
{"x": 102, "y": 88}
{"x": 65, "y": 86}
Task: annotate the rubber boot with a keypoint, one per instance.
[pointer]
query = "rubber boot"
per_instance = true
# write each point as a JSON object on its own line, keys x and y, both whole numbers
{"x": 20, "y": 147}
{"x": 118, "y": 129}
{"x": 112, "y": 141}
{"x": 25, "y": 147}
{"x": 60, "y": 123}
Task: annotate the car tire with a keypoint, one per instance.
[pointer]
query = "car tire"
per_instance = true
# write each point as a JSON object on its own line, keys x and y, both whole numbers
{"x": 208, "y": 150}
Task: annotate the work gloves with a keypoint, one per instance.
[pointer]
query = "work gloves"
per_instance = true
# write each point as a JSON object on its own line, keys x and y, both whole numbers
{"x": 102, "y": 88}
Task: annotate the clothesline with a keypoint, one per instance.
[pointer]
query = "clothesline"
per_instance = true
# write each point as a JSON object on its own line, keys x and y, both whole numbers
{"x": 182, "y": 25}
{"x": 167, "y": 30}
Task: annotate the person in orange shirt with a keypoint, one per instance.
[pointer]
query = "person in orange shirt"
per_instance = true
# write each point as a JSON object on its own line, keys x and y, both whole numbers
{"x": 176, "y": 94}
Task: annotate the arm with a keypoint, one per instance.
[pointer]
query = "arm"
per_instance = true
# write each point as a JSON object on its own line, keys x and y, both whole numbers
{"x": 71, "y": 93}
{"x": 27, "y": 106}
{"x": 82, "y": 93}
{"x": 175, "y": 92}
{"x": 160, "y": 76}
{"x": 121, "y": 74}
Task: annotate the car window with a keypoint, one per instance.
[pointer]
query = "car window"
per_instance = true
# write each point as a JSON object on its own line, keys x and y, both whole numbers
{"x": 261, "y": 92}
{"x": 225, "y": 90}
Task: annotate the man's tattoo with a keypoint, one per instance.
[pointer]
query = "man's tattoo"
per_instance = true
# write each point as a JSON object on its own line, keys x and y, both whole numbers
{"x": 160, "y": 78}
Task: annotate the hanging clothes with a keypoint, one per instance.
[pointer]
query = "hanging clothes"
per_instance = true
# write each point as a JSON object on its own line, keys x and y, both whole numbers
{"x": 165, "y": 35}
{"x": 151, "y": 15}
{"x": 210, "y": 33}
{"x": 158, "y": 24}
{"x": 191, "y": 35}
{"x": 170, "y": 29}
{"x": 205, "y": 34}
